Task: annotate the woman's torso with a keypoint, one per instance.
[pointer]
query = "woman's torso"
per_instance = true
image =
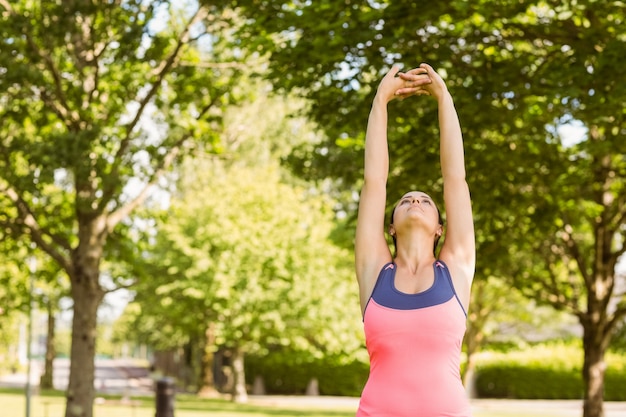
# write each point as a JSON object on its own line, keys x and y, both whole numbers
{"x": 414, "y": 343}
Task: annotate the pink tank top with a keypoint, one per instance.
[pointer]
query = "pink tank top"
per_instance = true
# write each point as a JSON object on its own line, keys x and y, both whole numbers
{"x": 414, "y": 344}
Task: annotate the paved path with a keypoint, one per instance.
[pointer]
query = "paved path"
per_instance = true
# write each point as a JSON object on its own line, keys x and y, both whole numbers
{"x": 491, "y": 407}
{"x": 115, "y": 377}
{"x": 541, "y": 408}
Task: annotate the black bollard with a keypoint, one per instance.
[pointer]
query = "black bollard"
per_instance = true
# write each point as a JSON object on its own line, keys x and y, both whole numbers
{"x": 165, "y": 397}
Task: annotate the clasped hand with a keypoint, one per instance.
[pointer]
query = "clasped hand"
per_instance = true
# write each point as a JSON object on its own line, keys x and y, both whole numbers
{"x": 423, "y": 80}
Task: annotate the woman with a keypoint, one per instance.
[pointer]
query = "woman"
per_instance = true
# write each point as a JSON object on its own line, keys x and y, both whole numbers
{"x": 414, "y": 303}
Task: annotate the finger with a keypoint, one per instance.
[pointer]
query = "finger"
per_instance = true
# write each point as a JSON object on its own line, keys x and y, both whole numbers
{"x": 430, "y": 70}
{"x": 409, "y": 91}
{"x": 412, "y": 75}
{"x": 420, "y": 82}
{"x": 416, "y": 78}
{"x": 417, "y": 70}
{"x": 393, "y": 71}
{"x": 417, "y": 93}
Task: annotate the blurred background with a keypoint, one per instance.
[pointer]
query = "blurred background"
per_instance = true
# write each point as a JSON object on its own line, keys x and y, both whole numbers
{"x": 179, "y": 183}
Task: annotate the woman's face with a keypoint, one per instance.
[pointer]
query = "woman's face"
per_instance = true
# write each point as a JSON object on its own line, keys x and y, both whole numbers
{"x": 416, "y": 205}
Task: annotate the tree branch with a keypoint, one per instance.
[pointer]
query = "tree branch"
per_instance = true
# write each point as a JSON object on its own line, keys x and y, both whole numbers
{"x": 37, "y": 232}
{"x": 60, "y": 110}
{"x": 52, "y": 104}
{"x": 220, "y": 65}
{"x": 63, "y": 110}
{"x": 115, "y": 217}
{"x": 557, "y": 298}
{"x": 119, "y": 214}
{"x": 574, "y": 250}
{"x": 121, "y": 287}
{"x": 622, "y": 250}
{"x": 7, "y": 6}
{"x": 619, "y": 314}
{"x": 620, "y": 220}
{"x": 160, "y": 73}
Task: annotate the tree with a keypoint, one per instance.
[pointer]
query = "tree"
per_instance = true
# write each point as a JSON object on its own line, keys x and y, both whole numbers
{"x": 99, "y": 100}
{"x": 519, "y": 70}
{"x": 242, "y": 258}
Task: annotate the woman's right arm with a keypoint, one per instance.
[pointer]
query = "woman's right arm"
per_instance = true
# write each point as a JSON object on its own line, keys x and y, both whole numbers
{"x": 371, "y": 248}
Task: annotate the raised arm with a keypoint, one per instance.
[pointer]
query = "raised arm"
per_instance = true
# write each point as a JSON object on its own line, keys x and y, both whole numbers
{"x": 371, "y": 249}
{"x": 458, "y": 249}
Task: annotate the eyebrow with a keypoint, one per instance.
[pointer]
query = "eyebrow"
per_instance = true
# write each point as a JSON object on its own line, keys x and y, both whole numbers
{"x": 420, "y": 197}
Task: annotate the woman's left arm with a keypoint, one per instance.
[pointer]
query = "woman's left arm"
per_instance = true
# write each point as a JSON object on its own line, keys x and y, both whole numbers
{"x": 459, "y": 247}
{"x": 459, "y": 244}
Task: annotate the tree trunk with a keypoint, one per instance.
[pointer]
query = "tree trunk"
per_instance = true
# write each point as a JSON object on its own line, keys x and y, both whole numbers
{"x": 207, "y": 387}
{"x": 47, "y": 379}
{"x": 474, "y": 337}
{"x": 469, "y": 377}
{"x": 240, "y": 394}
{"x": 87, "y": 295}
{"x": 594, "y": 368}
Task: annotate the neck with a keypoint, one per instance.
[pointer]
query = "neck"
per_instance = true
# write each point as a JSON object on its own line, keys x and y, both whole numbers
{"x": 415, "y": 252}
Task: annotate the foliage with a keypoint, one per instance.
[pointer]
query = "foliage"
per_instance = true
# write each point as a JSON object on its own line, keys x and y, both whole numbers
{"x": 518, "y": 71}
{"x": 288, "y": 373}
{"x": 9, "y": 332}
{"x": 517, "y": 320}
{"x": 62, "y": 343}
{"x": 550, "y": 212}
{"x": 92, "y": 104}
{"x": 106, "y": 111}
{"x": 250, "y": 255}
{"x": 243, "y": 249}
{"x": 529, "y": 382}
{"x": 28, "y": 281}
{"x": 551, "y": 371}
{"x": 14, "y": 279}
{"x": 619, "y": 340}
{"x": 99, "y": 100}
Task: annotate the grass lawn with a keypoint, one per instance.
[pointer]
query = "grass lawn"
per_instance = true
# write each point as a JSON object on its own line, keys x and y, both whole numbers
{"x": 13, "y": 404}
{"x": 53, "y": 405}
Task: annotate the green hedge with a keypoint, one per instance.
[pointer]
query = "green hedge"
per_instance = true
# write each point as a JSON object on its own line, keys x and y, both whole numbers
{"x": 285, "y": 373}
{"x": 544, "y": 372}
{"x": 517, "y": 381}
{"x": 539, "y": 372}
{"x": 523, "y": 382}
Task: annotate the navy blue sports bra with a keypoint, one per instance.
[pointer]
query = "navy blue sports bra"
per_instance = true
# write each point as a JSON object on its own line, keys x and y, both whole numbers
{"x": 442, "y": 290}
